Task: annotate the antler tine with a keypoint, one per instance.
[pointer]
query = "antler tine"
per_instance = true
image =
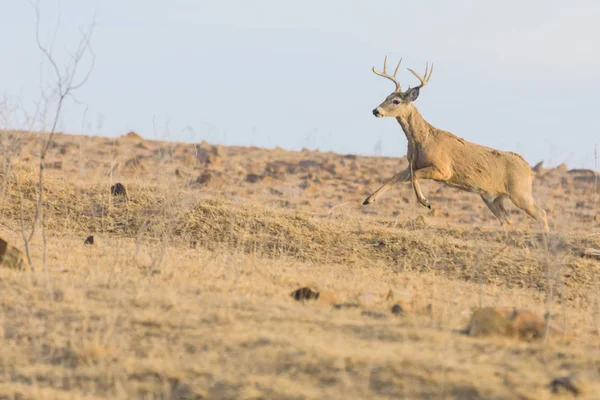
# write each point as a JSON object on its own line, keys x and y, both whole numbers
{"x": 390, "y": 77}
{"x": 428, "y": 73}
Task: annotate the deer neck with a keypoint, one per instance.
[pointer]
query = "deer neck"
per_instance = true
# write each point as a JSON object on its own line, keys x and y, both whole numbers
{"x": 414, "y": 125}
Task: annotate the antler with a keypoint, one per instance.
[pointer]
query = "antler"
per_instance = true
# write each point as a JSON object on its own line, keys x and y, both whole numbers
{"x": 390, "y": 77}
{"x": 428, "y": 73}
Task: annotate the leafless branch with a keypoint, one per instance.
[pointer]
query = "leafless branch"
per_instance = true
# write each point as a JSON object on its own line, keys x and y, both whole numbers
{"x": 65, "y": 84}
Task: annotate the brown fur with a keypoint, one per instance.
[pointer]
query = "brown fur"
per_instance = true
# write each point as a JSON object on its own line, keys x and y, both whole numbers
{"x": 441, "y": 156}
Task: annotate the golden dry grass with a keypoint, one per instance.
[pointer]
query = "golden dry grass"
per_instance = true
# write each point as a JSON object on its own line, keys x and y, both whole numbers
{"x": 185, "y": 292}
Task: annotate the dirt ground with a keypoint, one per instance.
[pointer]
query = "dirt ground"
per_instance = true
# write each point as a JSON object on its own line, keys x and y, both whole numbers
{"x": 185, "y": 292}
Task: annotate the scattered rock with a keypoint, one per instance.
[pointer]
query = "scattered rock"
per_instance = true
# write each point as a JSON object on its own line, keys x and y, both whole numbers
{"x": 339, "y": 306}
{"x": 397, "y": 309}
{"x": 54, "y": 165}
{"x": 11, "y": 257}
{"x": 580, "y": 204}
{"x": 205, "y": 178}
{"x": 304, "y": 293}
{"x": 565, "y": 384}
{"x": 89, "y": 240}
{"x": 275, "y": 192}
{"x": 118, "y": 190}
{"x": 132, "y": 135}
{"x": 253, "y": 178}
{"x": 373, "y": 314}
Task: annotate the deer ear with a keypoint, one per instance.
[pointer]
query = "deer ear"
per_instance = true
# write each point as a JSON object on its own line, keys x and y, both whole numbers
{"x": 411, "y": 95}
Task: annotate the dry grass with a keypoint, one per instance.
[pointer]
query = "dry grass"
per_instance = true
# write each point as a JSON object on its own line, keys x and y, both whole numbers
{"x": 185, "y": 292}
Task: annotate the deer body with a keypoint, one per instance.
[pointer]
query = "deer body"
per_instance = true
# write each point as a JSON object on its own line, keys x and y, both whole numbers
{"x": 441, "y": 156}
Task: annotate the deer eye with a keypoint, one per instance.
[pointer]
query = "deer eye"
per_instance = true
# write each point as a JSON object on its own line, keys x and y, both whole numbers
{"x": 396, "y": 101}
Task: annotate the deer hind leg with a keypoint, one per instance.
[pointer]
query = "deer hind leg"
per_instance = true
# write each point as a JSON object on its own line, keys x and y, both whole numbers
{"x": 496, "y": 206}
{"x": 500, "y": 202}
{"x": 399, "y": 177}
{"x": 426, "y": 173}
{"x": 526, "y": 203}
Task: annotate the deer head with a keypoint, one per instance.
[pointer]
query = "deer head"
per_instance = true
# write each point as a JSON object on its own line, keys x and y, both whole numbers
{"x": 397, "y": 104}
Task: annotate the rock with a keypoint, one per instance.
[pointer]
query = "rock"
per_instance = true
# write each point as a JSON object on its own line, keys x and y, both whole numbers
{"x": 118, "y": 190}
{"x": 539, "y": 167}
{"x": 253, "y": 178}
{"x": 132, "y": 136}
{"x": 397, "y": 309}
{"x": 205, "y": 178}
{"x": 304, "y": 293}
{"x": 565, "y": 384}
{"x": 373, "y": 314}
{"x": 580, "y": 204}
{"x": 89, "y": 240}
{"x": 11, "y": 257}
{"x": 54, "y": 165}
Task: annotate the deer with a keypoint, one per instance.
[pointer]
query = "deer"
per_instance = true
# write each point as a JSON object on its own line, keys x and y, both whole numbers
{"x": 497, "y": 176}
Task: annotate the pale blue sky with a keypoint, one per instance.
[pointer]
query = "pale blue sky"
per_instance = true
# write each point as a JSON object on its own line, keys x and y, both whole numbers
{"x": 515, "y": 75}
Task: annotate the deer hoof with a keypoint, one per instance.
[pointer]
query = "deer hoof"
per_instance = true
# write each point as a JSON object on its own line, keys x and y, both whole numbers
{"x": 367, "y": 201}
{"x": 426, "y": 203}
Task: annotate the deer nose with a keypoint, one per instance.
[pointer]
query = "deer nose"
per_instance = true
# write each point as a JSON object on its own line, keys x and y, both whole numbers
{"x": 376, "y": 112}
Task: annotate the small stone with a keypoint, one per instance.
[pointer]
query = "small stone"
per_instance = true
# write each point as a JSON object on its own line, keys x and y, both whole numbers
{"x": 118, "y": 189}
{"x": 397, "y": 309}
{"x": 89, "y": 240}
{"x": 373, "y": 314}
{"x": 304, "y": 293}
{"x": 205, "y": 178}
{"x": 253, "y": 178}
{"x": 564, "y": 383}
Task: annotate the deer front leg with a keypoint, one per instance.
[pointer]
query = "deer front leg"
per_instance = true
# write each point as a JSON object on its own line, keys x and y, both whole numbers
{"x": 399, "y": 177}
{"x": 419, "y": 194}
{"x": 426, "y": 173}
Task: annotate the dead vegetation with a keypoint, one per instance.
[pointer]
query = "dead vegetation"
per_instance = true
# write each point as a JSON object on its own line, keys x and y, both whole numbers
{"x": 184, "y": 290}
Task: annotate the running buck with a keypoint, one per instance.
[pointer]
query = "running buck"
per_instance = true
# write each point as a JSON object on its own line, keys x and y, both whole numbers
{"x": 441, "y": 156}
